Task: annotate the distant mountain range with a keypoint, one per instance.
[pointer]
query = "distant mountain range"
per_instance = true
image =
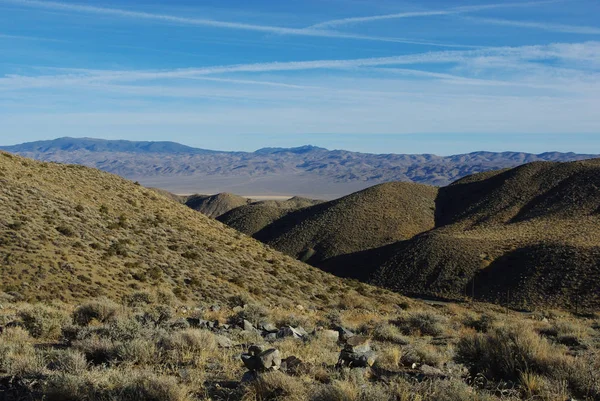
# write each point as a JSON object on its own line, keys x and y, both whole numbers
{"x": 307, "y": 170}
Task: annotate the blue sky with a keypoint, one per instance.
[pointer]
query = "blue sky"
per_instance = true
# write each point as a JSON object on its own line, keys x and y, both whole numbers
{"x": 369, "y": 75}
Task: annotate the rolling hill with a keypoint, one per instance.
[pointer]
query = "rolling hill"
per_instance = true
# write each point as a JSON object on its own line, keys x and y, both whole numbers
{"x": 377, "y": 216}
{"x": 253, "y": 217}
{"x": 308, "y": 171}
{"x": 527, "y": 236}
{"x": 216, "y": 205}
{"x": 70, "y": 233}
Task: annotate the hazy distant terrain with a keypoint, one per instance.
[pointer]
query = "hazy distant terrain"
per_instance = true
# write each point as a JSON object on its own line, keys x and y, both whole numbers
{"x": 305, "y": 171}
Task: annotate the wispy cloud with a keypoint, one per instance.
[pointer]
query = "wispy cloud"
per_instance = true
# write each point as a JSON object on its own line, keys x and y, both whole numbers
{"x": 218, "y": 24}
{"x": 33, "y": 38}
{"x": 573, "y": 70}
{"x": 428, "y": 13}
{"x": 576, "y": 29}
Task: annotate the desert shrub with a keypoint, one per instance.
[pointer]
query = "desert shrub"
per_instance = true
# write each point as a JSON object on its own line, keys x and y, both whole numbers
{"x": 506, "y": 351}
{"x": 389, "y": 358}
{"x": 101, "y": 309}
{"x": 421, "y": 323}
{"x": 17, "y": 354}
{"x": 67, "y": 361}
{"x": 190, "y": 340}
{"x": 253, "y": 313}
{"x": 137, "y": 352}
{"x": 157, "y": 315}
{"x": 66, "y": 231}
{"x": 386, "y": 332}
{"x": 293, "y": 320}
{"x": 42, "y": 321}
{"x": 115, "y": 385}
{"x": 124, "y": 328}
{"x": 97, "y": 350}
{"x": 139, "y": 298}
{"x": 275, "y": 386}
{"x": 482, "y": 323}
{"x": 420, "y": 353}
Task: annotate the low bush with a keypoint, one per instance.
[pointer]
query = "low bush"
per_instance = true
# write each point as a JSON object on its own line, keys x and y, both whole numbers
{"x": 101, "y": 309}
{"x": 43, "y": 321}
{"x": 506, "y": 351}
{"x": 421, "y": 323}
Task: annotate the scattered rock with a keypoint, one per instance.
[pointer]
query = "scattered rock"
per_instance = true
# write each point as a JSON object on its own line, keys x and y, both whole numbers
{"x": 270, "y": 359}
{"x": 197, "y": 323}
{"x": 358, "y": 344}
{"x": 260, "y": 360}
{"x": 289, "y": 331}
{"x": 237, "y": 309}
{"x": 224, "y": 342}
{"x": 268, "y": 327}
{"x": 246, "y": 325}
{"x": 357, "y": 360}
{"x": 344, "y": 333}
{"x": 271, "y": 337}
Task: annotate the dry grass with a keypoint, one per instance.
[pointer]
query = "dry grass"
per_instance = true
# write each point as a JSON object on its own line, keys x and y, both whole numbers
{"x": 135, "y": 355}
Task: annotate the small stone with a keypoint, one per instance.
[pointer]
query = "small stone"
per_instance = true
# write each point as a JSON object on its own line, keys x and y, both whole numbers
{"x": 248, "y": 326}
{"x": 358, "y": 344}
{"x": 224, "y": 342}
{"x": 300, "y": 307}
{"x": 271, "y": 336}
{"x": 270, "y": 359}
{"x": 357, "y": 360}
{"x": 289, "y": 331}
{"x": 215, "y": 308}
{"x": 268, "y": 327}
{"x": 256, "y": 350}
{"x": 345, "y": 334}
{"x": 237, "y": 309}
{"x": 301, "y": 331}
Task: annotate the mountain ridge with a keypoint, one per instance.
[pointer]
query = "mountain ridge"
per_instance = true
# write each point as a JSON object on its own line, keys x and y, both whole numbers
{"x": 315, "y": 172}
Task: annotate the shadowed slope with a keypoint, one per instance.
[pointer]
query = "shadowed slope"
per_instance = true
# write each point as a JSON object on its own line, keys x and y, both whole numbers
{"x": 252, "y": 218}
{"x": 374, "y": 217}
{"x": 530, "y": 235}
